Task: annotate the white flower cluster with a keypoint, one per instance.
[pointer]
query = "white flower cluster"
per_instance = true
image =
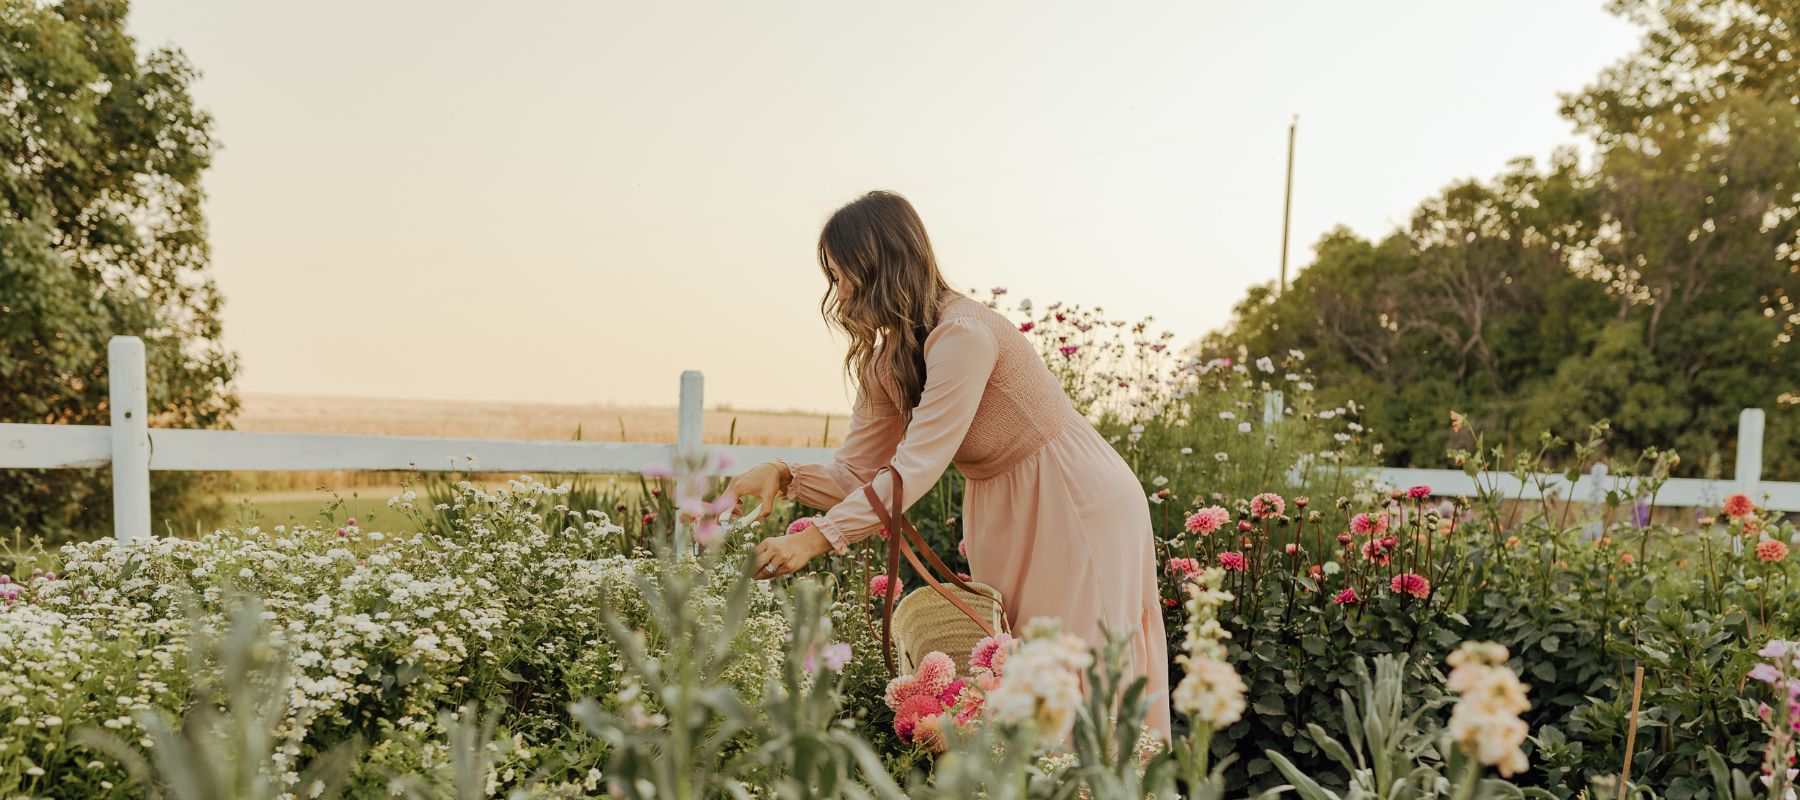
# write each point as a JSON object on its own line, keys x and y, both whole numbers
{"x": 1043, "y": 681}
{"x": 1210, "y": 691}
{"x": 1485, "y": 720}
{"x": 382, "y": 631}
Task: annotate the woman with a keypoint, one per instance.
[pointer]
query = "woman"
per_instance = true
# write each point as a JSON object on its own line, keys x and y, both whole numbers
{"x": 1054, "y": 518}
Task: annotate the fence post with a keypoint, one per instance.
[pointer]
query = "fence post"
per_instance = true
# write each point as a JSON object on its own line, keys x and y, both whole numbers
{"x": 127, "y": 380}
{"x": 1749, "y": 452}
{"x": 688, "y": 428}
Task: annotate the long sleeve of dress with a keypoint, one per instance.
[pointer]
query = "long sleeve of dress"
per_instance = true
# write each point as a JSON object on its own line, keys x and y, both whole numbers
{"x": 875, "y": 431}
{"x": 959, "y": 356}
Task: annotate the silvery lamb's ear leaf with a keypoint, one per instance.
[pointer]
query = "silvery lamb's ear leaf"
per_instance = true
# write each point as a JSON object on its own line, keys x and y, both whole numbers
{"x": 1306, "y": 787}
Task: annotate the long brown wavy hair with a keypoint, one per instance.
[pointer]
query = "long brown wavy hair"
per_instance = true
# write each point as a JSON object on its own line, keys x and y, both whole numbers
{"x": 878, "y": 244}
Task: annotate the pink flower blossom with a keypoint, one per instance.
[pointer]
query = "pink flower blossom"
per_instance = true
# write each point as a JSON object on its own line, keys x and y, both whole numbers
{"x": 837, "y": 655}
{"x": 935, "y": 672}
{"x": 1770, "y": 551}
{"x": 1026, "y": 327}
{"x": 1068, "y": 349}
{"x": 951, "y": 693}
{"x": 1207, "y": 520}
{"x": 1369, "y": 524}
{"x": 1409, "y": 583}
{"x": 1185, "y": 567}
{"x": 878, "y": 586}
{"x": 1419, "y": 492}
{"x": 1346, "y": 597}
{"x": 1739, "y": 505}
{"x": 1233, "y": 561}
{"x": 982, "y": 656}
{"x": 1376, "y": 550}
{"x": 799, "y": 525}
{"x": 907, "y": 716}
{"x": 1266, "y": 505}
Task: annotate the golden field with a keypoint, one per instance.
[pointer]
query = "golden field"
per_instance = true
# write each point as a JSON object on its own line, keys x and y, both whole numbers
{"x": 482, "y": 420}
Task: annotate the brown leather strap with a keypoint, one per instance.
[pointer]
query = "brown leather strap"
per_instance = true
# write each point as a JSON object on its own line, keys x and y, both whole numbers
{"x": 903, "y": 538}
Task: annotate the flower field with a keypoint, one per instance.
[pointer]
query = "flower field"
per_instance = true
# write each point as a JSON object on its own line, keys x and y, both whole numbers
{"x": 1331, "y": 638}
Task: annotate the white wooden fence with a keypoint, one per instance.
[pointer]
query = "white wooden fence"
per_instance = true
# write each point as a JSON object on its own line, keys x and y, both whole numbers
{"x": 132, "y": 449}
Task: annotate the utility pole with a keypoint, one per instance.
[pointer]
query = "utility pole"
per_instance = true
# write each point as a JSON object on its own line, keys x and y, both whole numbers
{"x": 1287, "y": 203}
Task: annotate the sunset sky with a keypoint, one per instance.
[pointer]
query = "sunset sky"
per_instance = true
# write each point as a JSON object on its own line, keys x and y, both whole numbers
{"x": 575, "y": 201}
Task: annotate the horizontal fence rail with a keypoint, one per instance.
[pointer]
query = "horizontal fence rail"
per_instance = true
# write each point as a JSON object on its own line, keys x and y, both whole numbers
{"x": 132, "y": 449}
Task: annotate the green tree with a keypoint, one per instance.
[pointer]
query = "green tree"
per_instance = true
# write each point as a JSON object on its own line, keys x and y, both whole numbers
{"x": 1653, "y": 288}
{"x": 101, "y": 234}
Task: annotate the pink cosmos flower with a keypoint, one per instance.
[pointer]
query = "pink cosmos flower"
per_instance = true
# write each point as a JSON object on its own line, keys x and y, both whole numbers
{"x": 1419, "y": 492}
{"x": 1026, "y": 327}
{"x": 878, "y": 586}
{"x": 1346, "y": 597}
{"x": 1068, "y": 349}
{"x": 799, "y": 525}
{"x": 1207, "y": 520}
{"x": 1409, "y": 583}
{"x": 1233, "y": 561}
{"x": 1266, "y": 505}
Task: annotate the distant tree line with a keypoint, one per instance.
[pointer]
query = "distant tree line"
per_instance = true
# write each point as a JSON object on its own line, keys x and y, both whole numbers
{"x": 1653, "y": 286}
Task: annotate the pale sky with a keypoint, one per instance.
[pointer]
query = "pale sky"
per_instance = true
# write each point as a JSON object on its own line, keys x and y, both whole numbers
{"x": 575, "y": 201}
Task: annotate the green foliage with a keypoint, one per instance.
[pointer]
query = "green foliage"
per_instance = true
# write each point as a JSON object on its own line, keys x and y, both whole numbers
{"x": 101, "y": 234}
{"x": 227, "y": 746}
{"x": 1653, "y": 287}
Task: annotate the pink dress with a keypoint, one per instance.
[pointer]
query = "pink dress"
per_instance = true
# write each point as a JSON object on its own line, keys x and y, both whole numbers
{"x": 1055, "y": 519}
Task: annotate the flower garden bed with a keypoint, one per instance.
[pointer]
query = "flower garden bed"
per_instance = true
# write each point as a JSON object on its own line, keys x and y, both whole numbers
{"x": 1330, "y": 638}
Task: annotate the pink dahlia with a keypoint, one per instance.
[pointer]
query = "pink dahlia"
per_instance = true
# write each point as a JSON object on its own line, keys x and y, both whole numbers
{"x": 1369, "y": 524}
{"x": 1409, "y": 583}
{"x": 799, "y": 525}
{"x": 928, "y": 734}
{"x": 878, "y": 586}
{"x": 1771, "y": 551}
{"x": 1376, "y": 550}
{"x": 1207, "y": 520}
{"x": 1184, "y": 567}
{"x": 989, "y": 651}
{"x": 936, "y": 671}
{"x": 1739, "y": 505}
{"x": 1346, "y": 597}
{"x": 1233, "y": 561}
{"x": 1266, "y": 505}
{"x": 950, "y": 693}
{"x": 908, "y": 715}
{"x": 1419, "y": 492}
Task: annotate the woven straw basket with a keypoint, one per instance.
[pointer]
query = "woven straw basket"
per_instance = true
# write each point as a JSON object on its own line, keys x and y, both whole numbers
{"x": 924, "y": 621}
{"x": 948, "y": 619}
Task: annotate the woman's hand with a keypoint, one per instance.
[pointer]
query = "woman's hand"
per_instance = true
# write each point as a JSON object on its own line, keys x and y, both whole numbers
{"x": 779, "y": 555}
{"x": 764, "y": 481}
